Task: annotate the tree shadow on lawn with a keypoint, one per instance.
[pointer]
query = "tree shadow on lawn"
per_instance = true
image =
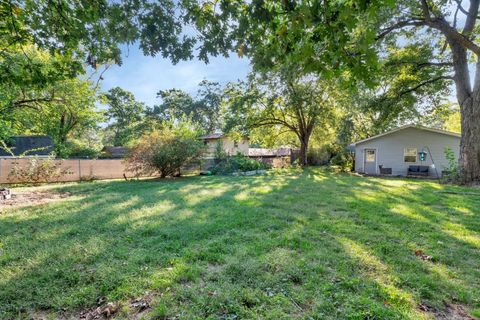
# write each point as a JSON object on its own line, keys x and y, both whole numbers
{"x": 318, "y": 244}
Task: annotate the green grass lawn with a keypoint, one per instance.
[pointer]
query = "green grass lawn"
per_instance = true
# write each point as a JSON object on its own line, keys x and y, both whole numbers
{"x": 309, "y": 245}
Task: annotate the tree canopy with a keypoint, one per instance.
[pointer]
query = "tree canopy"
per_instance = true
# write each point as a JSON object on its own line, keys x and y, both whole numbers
{"x": 124, "y": 114}
{"x": 203, "y": 109}
{"x": 38, "y": 95}
{"x": 279, "y": 100}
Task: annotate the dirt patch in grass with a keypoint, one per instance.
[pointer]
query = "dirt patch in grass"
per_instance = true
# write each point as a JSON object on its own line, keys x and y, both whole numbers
{"x": 134, "y": 309}
{"x": 30, "y": 198}
{"x": 451, "y": 312}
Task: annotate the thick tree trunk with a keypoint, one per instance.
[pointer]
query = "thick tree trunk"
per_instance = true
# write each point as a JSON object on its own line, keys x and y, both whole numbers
{"x": 469, "y": 159}
{"x": 304, "y": 136}
{"x": 469, "y": 101}
{"x": 303, "y": 152}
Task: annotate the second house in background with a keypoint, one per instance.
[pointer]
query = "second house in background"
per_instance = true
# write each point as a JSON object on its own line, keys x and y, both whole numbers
{"x": 228, "y": 144}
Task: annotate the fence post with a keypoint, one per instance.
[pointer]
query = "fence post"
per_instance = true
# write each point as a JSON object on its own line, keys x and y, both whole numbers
{"x": 79, "y": 170}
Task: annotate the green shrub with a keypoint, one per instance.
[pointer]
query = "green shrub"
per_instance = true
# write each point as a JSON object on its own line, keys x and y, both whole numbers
{"x": 318, "y": 156}
{"x": 81, "y": 149}
{"x": 342, "y": 158}
{"x": 164, "y": 152}
{"x": 452, "y": 172}
{"x": 238, "y": 163}
{"x": 220, "y": 154}
{"x": 36, "y": 170}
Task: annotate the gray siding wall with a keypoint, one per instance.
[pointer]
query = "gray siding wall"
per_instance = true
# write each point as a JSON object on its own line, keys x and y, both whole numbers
{"x": 390, "y": 150}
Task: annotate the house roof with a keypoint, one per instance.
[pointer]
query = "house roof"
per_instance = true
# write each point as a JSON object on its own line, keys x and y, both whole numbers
{"x": 448, "y": 133}
{"x": 212, "y": 136}
{"x": 262, "y": 152}
{"x": 116, "y": 152}
{"x": 28, "y": 145}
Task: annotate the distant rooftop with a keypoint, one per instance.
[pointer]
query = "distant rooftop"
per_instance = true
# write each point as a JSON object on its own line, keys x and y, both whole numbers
{"x": 212, "y": 136}
{"x": 115, "y": 152}
{"x": 28, "y": 146}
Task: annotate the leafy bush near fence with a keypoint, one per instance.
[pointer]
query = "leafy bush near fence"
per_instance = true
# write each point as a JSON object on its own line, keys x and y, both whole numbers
{"x": 238, "y": 163}
{"x": 164, "y": 152}
{"x": 35, "y": 170}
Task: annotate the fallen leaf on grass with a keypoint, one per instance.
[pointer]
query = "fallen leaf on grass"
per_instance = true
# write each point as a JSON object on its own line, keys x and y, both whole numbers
{"x": 419, "y": 253}
{"x": 103, "y": 312}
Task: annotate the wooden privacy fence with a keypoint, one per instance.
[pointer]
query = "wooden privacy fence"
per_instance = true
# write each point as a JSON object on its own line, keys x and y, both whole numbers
{"x": 100, "y": 169}
{"x": 70, "y": 169}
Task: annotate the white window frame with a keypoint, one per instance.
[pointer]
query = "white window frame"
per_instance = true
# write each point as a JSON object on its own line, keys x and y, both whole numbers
{"x": 406, "y": 155}
{"x": 374, "y": 155}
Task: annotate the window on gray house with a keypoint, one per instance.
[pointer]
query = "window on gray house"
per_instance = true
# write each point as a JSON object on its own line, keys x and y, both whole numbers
{"x": 410, "y": 155}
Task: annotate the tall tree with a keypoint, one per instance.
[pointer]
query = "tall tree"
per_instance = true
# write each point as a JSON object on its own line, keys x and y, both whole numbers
{"x": 73, "y": 111}
{"x": 39, "y": 95}
{"x": 208, "y": 101}
{"x": 175, "y": 104}
{"x": 124, "y": 114}
{"x": 204, "y": 109}
{"x": 276, "y": 99}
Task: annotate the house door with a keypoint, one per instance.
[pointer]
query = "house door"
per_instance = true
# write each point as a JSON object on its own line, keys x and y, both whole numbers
{"x": 370, "y": 161}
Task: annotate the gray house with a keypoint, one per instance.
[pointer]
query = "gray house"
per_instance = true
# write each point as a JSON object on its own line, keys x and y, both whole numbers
{"x": 408, "y": 150}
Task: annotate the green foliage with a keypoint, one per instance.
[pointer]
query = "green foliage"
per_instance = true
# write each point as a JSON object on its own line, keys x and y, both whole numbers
{"x": 165, "y": 151}
{"x": 452, "y": 172}
{"x": 36, "y": 170}
{"x": 405, "y": 92}
{"x": 281, "y": 101}
{"x": 452, "y": 122}
{"x": 219, "y": 153}
{"x": 238, "y": 163}
{"x": 93, "y": 30}
{"x": 125, "y": 115}
{"x": 319, "y": 156}
{"x": 84, "y": 148}
{"x": 203, "y": 109}
{"x": 308, "y": 36}
{"x": 342, "y": 158}
{"x": 28, "y": 74}
{"x": 40, "y": 95}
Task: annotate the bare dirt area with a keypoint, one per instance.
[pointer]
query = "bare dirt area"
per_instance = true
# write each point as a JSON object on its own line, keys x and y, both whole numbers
{"x": 30, "y": 198}
{"x": 451, "y": 312}
{"x": 134, "y": 309}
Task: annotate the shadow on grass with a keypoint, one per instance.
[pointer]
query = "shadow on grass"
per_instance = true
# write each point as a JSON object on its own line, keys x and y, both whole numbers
{"x": 315, "y": 244}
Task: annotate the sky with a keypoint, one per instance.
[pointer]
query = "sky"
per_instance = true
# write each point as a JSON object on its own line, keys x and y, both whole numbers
{"x": 145, "y": 76}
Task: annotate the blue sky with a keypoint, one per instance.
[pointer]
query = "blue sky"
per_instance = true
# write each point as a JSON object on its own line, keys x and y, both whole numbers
{"x": 145, "y": 76}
